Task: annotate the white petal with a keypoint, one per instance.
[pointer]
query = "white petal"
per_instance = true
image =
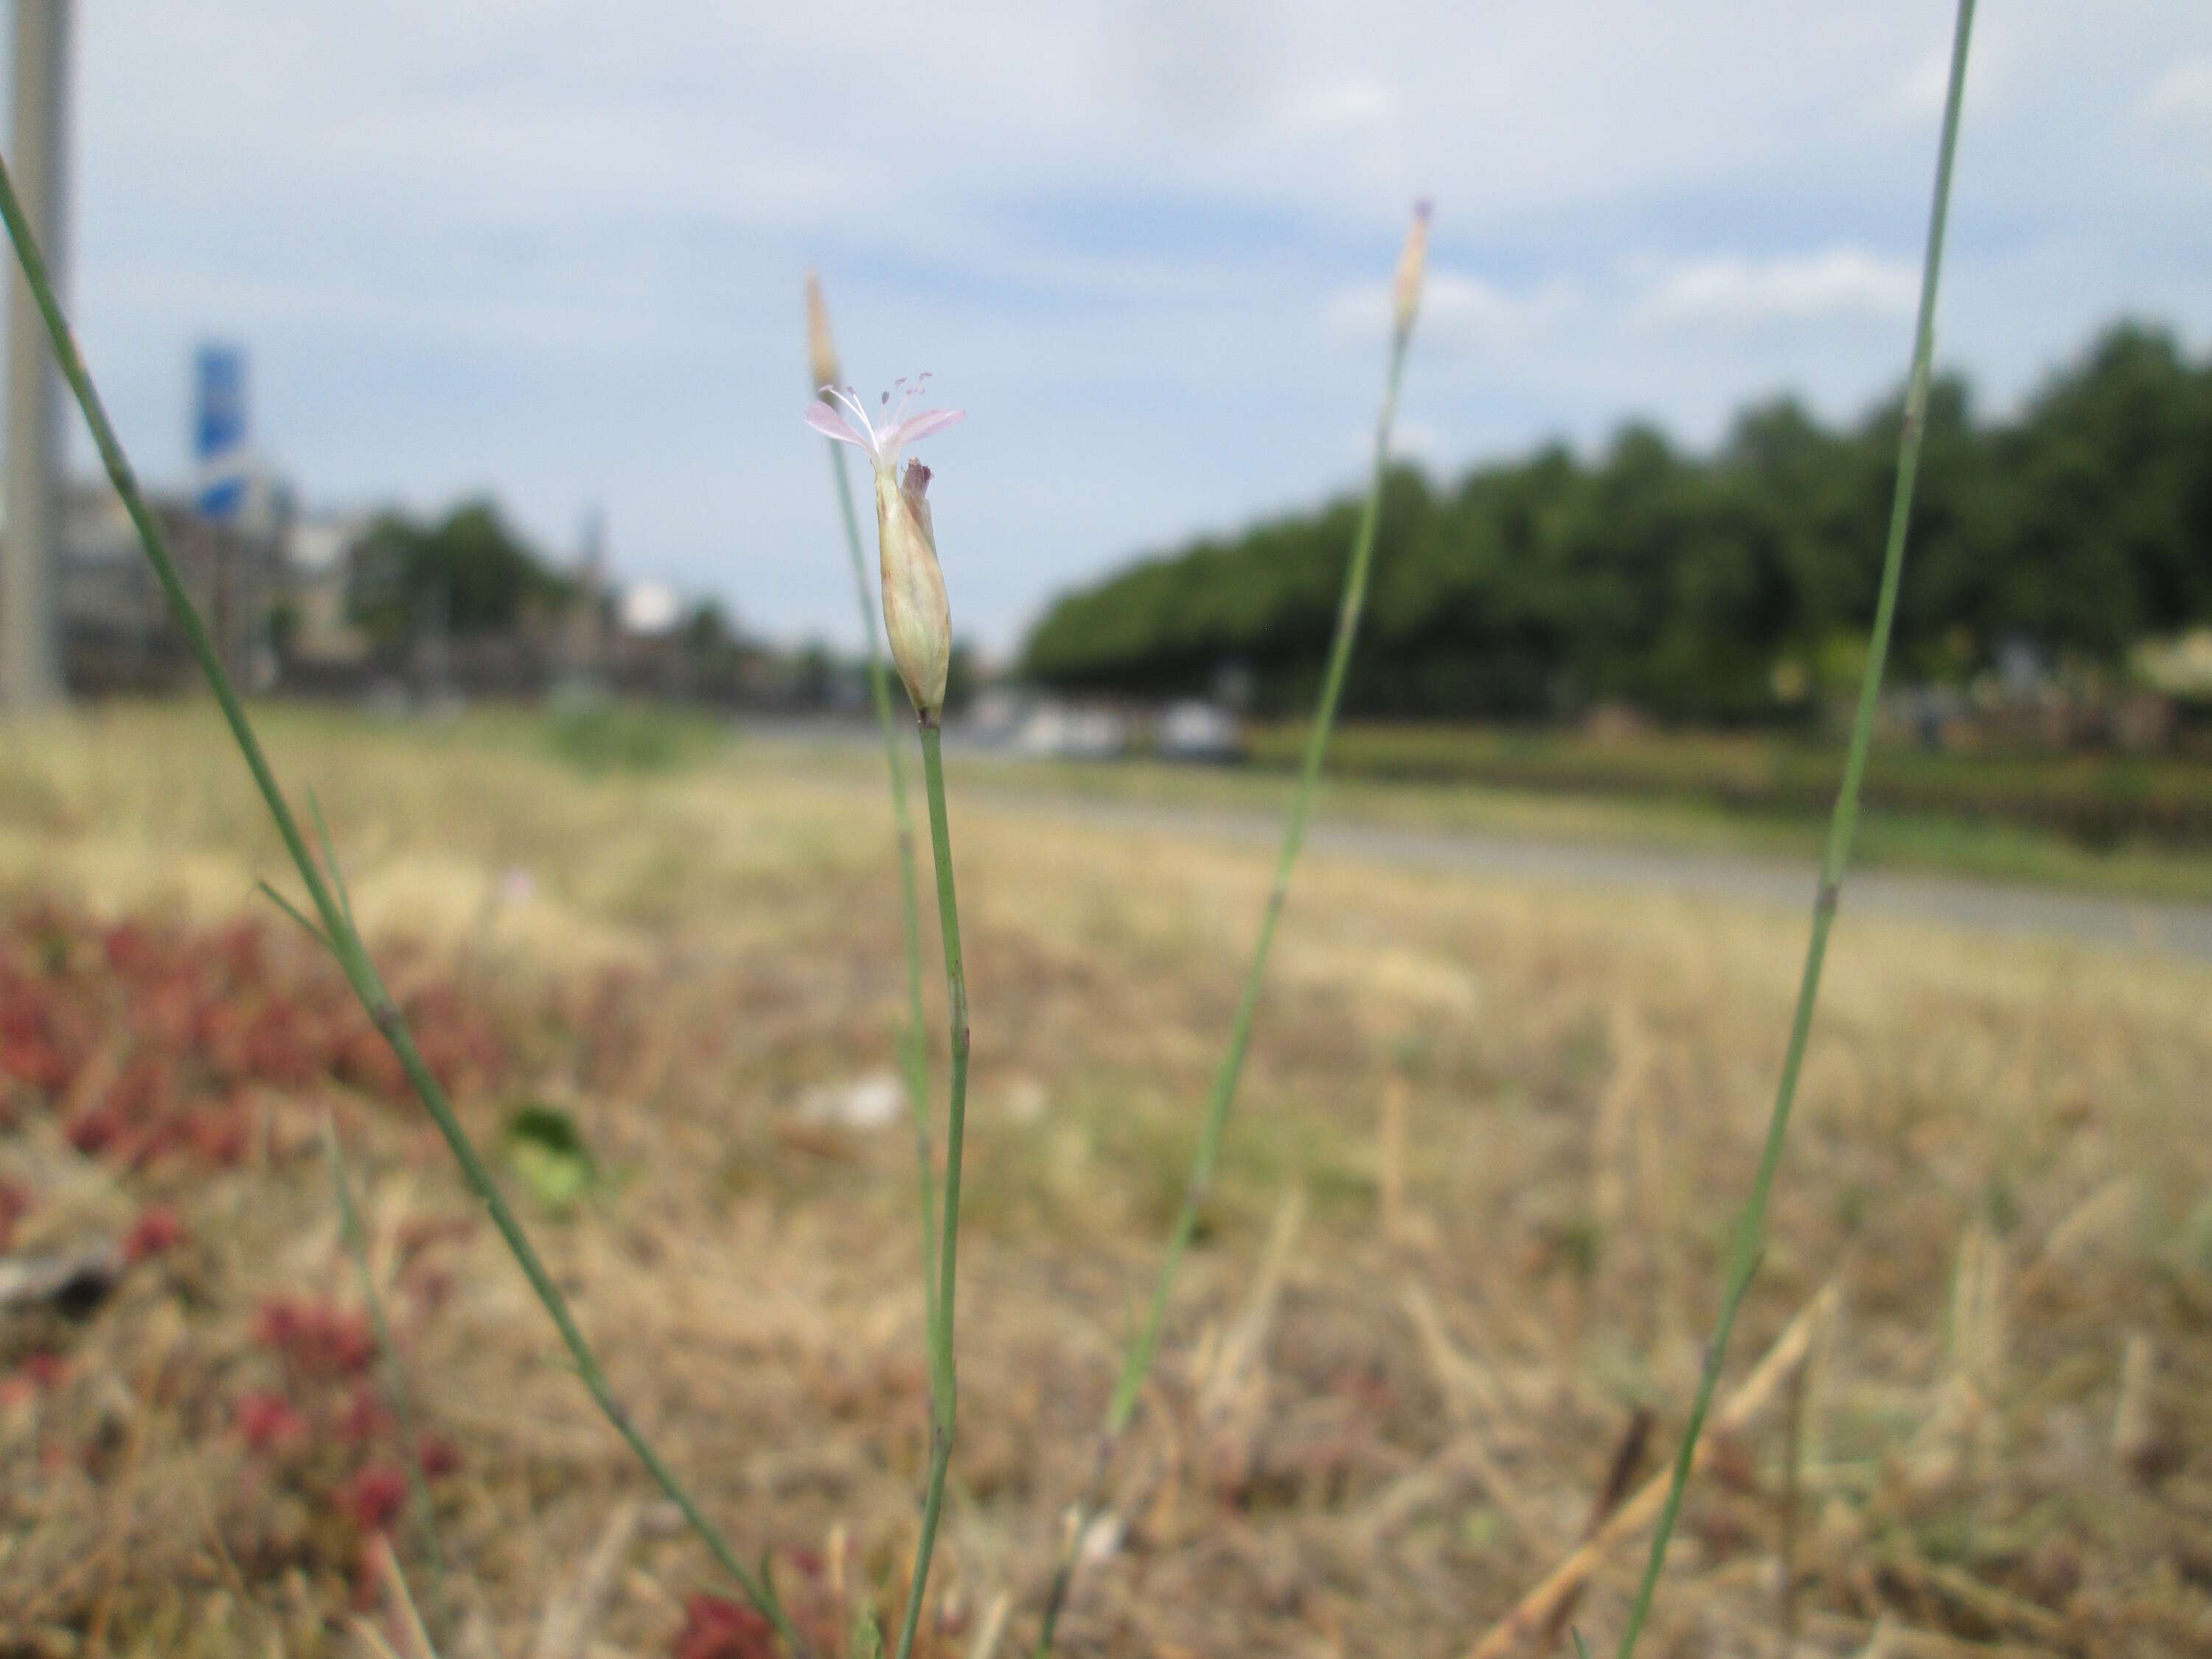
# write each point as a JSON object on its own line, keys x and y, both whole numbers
{"x": 830, "y": 424}
{"x": 918, "y": 427}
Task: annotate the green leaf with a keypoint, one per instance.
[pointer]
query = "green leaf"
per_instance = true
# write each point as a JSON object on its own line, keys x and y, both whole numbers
{"x": 295, "y": 912}
{"x": 546, "y": 1148}
{"x": 331, "y": 862}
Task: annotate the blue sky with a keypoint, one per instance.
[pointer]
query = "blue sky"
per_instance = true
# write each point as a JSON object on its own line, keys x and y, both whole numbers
{"x": 555, "y": 252}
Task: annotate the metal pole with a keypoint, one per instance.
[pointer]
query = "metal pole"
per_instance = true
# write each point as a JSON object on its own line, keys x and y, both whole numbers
{"x": 30, "y": 636}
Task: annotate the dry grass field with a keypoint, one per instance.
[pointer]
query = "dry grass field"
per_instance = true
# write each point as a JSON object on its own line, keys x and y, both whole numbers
{"x": 1466, "y": 1236}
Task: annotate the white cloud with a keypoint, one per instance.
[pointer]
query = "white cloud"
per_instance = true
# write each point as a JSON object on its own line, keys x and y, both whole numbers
{"x": 1466, "y": 309}
{"x": 1457, "y": 310}
{"x": 1356, "y": 103}
{"x": 2183, "y": 92}
{"x": 1732, "y": 288}
{"x": 1919, "y": 91}
{"x": 1412, "y": 441}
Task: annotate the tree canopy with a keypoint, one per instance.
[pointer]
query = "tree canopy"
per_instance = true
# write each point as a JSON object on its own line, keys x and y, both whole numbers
{"x": 468, "y": 572}
{"x": 1733, "y": 586}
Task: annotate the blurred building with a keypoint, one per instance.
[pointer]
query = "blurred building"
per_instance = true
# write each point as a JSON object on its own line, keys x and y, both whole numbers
{"x": 581, "y": 637}
{"x": 272, "y": 587}
{"x": 117, "y": 635}
{"x": 646, "y": 652}
{"x": 319, "y": 645}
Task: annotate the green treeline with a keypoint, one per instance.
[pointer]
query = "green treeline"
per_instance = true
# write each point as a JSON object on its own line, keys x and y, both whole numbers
{"x": 470, "y": 572}
{"x": 1733, "y": 587}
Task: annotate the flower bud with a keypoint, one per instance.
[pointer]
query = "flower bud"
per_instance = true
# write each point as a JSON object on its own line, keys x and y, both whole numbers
{"x": 917, "y": 616}
{"x": 1411, "y": 264}
{"x": 821, "y": 351}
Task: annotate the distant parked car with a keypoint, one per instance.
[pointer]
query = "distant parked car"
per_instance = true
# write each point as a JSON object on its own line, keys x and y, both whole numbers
{"x": 994, "y": 718}
{"x": 1202, "y": 733}
{"x": 1060, "y": 731}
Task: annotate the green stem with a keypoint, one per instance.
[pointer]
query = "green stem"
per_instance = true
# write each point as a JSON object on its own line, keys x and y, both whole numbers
{"x": 943, "y": 1373}
{"x": 1138, "y": 1361}
{"x": 395, "y": 1378}
{"x": 914, "y": 1045}
{"x": 346, "y": 946}
{"x": 1743, "y": 1261}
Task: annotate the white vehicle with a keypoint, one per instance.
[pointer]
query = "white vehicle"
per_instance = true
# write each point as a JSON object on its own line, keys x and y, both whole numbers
{"x": 1199, "y": 732}
{"x": 1060, "y": 731}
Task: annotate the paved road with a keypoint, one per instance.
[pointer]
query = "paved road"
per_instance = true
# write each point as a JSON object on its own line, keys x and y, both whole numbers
{"x": 2154, "y": 926}
{"x": 2150, "y": 925}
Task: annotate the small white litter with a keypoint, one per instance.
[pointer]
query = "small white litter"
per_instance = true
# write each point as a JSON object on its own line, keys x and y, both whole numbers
{"x": 873, "y": 1101}
{"x": 1025, "y": 1100}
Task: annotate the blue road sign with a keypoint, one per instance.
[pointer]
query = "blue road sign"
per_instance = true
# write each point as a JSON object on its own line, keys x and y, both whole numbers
{"x": 219, "y": 428}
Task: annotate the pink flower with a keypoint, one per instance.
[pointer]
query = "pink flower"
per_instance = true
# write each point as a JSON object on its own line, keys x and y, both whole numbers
{"x": 917, "y": 616}
{"x": 364, "y": 1418}
{"x": 374, "y": 1497}
{"x": 439, "y": 1456}
{"x": 156, "y": 1229}
{"x": 882, "y": 442}
{"x": 266, "y": 1419}
{"x": 715, "y": 1628}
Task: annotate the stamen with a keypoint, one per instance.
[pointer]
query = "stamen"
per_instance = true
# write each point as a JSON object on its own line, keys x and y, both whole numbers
{"x": 852, "y": 401}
